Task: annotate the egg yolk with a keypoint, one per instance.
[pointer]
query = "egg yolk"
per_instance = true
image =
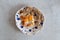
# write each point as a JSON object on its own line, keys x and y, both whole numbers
{"x": 27, "y": 20}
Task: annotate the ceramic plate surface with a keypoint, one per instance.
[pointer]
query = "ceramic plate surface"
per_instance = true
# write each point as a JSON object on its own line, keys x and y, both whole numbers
{"x": 29, "y": 20}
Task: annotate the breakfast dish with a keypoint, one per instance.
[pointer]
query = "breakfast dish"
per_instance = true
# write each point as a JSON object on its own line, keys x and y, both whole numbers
{"x": 29, "y": 20}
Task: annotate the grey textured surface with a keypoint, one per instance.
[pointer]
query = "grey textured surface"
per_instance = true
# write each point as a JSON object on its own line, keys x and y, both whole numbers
{"x": 51, "y": 12}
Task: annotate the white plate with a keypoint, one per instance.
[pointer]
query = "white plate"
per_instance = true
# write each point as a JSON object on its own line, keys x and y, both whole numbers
{"x": 28, "y": 31}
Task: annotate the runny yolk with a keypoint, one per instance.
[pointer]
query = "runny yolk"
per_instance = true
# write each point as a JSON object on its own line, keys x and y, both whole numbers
{"x": 26, "y": 20}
